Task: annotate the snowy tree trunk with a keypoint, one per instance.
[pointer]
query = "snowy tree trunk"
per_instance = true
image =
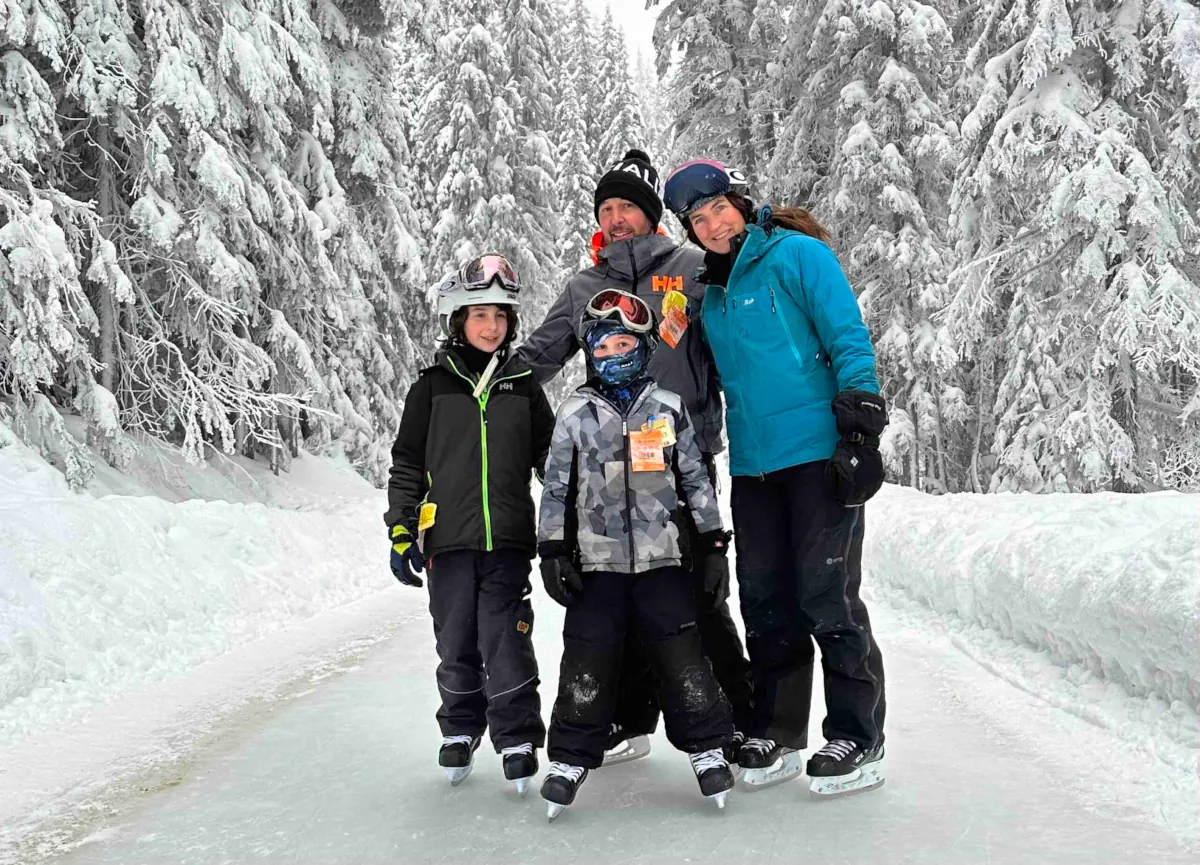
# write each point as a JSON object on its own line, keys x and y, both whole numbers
{"x": 1124, "y": 412}
{"x": 107, "y": 210}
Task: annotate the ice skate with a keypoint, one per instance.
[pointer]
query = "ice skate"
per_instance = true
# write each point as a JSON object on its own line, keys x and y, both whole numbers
{"x": 713, "y": 772}
{"x": 457, "y": 756}
{"x": 560, "y": 785}
{"x": 520, "y": 764}
{"x": 622, "y": 747}
{"x": 843, "y": 768}
{"x": 766, "y": 763}
{"x": 732, "y": 752}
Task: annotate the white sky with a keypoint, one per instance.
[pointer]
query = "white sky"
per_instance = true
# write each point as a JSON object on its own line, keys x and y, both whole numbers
{"x": 637, "y": 22}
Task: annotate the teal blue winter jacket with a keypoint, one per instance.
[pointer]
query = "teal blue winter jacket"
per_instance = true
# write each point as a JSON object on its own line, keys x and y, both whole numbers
{"x": 787, "y": 335}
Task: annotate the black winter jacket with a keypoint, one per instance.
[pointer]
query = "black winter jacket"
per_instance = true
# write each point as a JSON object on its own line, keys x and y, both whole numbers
{"x": 471, "y": 457}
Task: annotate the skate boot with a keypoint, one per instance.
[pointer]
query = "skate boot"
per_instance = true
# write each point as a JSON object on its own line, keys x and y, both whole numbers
{"x": 560, "y": 785}
{"x": 766, "y": 763}
{"x": 713, "y": 772}
{"x": 456, "y": 757}
{"x": 842, "y": 767}
{"x": 623, "y": 747}
{"x": 733, "y": 752}
{"x": 520, "y": 764}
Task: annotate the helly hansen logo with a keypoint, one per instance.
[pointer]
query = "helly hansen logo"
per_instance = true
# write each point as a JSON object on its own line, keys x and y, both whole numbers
{"x": 505, "y": 385}
{"x": 663, "y": 284}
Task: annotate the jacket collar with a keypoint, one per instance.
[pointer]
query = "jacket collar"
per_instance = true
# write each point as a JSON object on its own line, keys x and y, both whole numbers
{"x": 510, "y": 363}
{"x": 636, "y": 257}
{"x": 749, "y": 246}
{"x": 594, "y": 394}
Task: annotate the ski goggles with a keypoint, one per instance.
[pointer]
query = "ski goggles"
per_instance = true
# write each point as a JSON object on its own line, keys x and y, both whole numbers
{"x": 614, "y": 303}
{"x": 480, "y": 272}
{"x": 698, "y": 182}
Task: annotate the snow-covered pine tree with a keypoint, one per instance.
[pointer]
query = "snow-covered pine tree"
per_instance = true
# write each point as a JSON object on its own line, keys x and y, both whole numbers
{"x": 241, "y": 209}
{"x": 53, "y": 248}
{"x": 867, "y": 142}
{"x": 620, "y": 114}
{"x": 533, "y": 64}
{"x": 718, "y": 94}
{"x": 1076, "y": 211}
{"x": 468, "y": 141}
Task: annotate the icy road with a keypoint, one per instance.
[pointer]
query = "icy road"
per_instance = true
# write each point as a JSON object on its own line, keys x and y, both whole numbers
{"x": 344, "y": 771}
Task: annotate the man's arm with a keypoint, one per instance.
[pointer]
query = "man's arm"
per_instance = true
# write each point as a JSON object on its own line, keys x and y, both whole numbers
{"x": 548, "y": 348}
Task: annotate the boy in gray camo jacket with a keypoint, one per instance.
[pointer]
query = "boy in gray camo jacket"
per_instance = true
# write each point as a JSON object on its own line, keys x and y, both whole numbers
{"x": 622, "y": 456}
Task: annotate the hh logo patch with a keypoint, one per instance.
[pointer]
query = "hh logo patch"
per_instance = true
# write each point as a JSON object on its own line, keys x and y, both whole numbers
{"x": 505, "y": 385}
{"x": 523, "y": 627}
{"x": 663, "y": 284}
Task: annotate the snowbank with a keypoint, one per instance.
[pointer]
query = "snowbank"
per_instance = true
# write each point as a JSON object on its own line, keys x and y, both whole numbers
{"x": 1105, "y": 581}
{"x": 100, "y": 593}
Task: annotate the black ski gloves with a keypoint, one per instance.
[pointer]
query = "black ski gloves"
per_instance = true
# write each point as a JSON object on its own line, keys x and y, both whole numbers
{"x": 855, "y": 472}
{"x": 559, "y": 575}
{"x": 714, "y": 546}
{"x": 407, "y": 562}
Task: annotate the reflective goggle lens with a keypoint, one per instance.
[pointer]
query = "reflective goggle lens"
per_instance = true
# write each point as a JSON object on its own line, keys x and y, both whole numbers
{"x": 479, "y": 272}
{"x": 693, "y": 182}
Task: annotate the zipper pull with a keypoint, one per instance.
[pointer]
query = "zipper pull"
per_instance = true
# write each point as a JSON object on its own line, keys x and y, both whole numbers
{"x": 772, "y": 300}
{"x": 624, "y": 428}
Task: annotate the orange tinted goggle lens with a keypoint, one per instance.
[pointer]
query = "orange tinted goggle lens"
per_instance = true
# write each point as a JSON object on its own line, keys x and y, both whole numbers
{"x": 635, "y": 312}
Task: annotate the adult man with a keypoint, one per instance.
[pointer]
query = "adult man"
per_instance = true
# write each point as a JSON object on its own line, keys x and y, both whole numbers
{"x": 631, "y": 255}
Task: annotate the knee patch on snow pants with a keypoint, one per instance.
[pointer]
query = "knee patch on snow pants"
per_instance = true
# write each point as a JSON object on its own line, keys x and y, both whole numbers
{"x": 696, "y": 713}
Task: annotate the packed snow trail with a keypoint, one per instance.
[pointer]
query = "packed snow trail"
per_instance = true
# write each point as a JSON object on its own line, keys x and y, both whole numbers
{"x": 978, "y": 771}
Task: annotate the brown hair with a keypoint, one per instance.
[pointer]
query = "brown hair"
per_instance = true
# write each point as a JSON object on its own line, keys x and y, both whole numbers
{"x": 458, "y": 324}
{"x": 794, "y": 218}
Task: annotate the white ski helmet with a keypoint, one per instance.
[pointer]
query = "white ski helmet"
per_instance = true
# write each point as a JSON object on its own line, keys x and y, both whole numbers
{"x": 486, "y": 279}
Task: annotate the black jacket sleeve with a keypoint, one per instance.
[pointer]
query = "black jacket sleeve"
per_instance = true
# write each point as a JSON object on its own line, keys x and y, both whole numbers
{"x": 548, "y": 348}
{"x": 543, "y": 429}
{"x": 406, "y": 480}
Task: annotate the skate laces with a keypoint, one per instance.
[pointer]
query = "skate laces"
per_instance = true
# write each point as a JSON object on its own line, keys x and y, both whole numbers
{"x": 706, "y": 760}
{"x": 566, "y": 770}
{"x": 763, "y": 746}
{"x": 526, "y": 748}
{"x": 838, "y": 749}
{"x": 458, "y": 740}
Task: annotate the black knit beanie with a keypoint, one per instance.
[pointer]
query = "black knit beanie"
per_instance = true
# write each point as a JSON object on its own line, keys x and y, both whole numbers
{"x": 634, "y": 179}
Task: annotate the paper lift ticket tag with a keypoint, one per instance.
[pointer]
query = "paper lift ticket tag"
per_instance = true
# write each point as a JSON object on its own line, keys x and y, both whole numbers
{"x": 663, "y": 425}
{"x": 673, "y": 326}
{"x": 428, "y": 516}
{"x": 646, "y": 451}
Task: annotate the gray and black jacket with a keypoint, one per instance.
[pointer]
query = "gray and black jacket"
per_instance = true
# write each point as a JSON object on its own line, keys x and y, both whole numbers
{"x": 472, "y": 457}
{"x": 646, "y": 266}
{"x": 618, "y": 519}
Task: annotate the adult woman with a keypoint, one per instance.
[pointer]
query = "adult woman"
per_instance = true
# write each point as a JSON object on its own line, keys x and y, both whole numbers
{"x": 804, "y": 417}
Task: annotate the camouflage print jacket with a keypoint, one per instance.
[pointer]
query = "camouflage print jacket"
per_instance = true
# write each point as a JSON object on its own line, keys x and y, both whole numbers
{"x": 620, "y": 519}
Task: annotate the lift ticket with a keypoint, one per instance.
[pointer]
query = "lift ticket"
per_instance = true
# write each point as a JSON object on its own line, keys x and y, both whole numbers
{"x": 646, "y": 451}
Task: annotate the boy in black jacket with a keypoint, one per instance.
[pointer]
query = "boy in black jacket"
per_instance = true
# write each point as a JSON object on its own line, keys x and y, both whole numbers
{"x": 475, "y": 426}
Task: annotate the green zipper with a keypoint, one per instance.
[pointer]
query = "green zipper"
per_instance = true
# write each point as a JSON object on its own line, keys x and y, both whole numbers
{"x": 483, "y": 401}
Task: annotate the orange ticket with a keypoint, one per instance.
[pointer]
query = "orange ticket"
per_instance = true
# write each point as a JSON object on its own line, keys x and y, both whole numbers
{"x": 646, "y": 451}
{"x": 673, "y": 325}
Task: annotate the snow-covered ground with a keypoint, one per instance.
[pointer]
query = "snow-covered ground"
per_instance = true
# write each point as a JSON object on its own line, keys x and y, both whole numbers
{"x": 191, "y": 681}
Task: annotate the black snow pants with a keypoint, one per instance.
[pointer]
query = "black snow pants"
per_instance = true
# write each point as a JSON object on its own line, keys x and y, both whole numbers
{"x": 637, "y": 701}
{"x": 660, "y": 606}
{"x": 483, "y": 623}
{"x": 799, "y": 568}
